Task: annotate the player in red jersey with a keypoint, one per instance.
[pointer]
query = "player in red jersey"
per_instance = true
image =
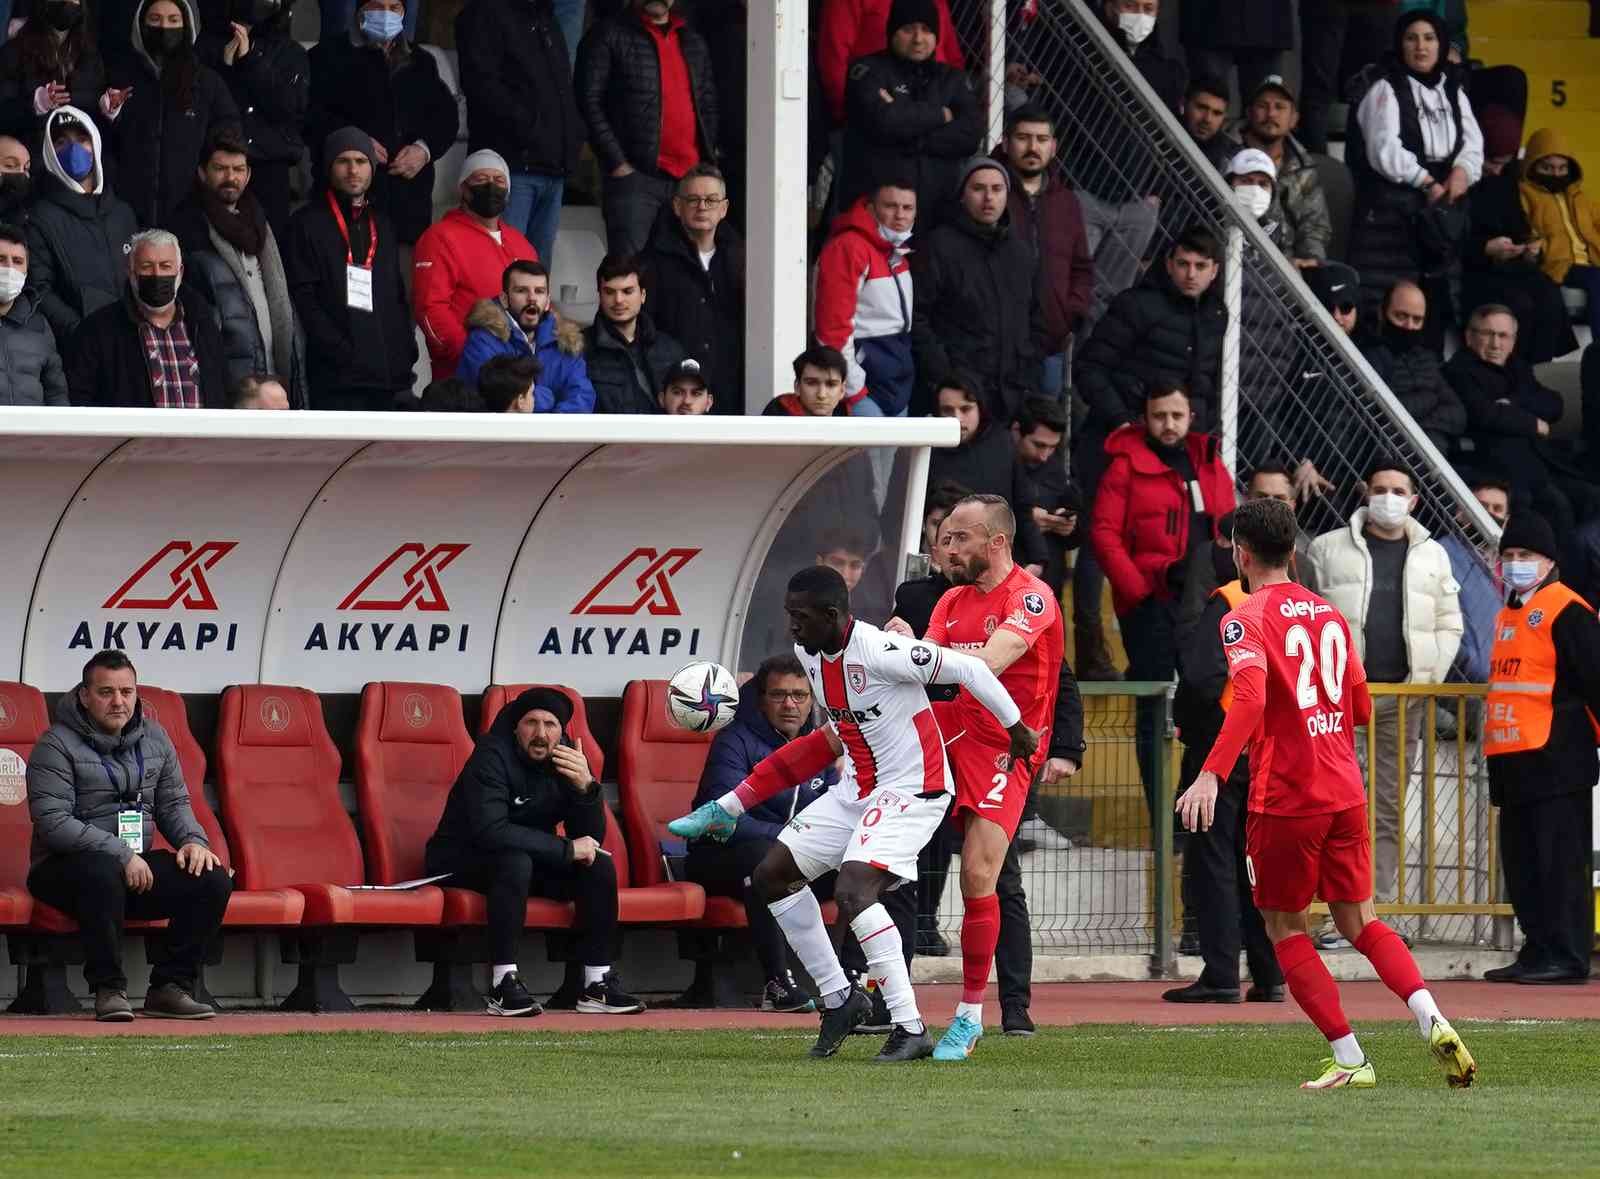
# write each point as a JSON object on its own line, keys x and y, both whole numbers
{"x": 1299, "y": 691}
{"x": 1007, "y": 617}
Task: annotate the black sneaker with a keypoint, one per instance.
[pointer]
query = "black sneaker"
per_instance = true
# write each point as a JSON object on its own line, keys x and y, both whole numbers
{"x": 837, "y": 1022}
{"x": 904, "y": 1046}
{"x": 782, "y": 995}
{"x": 1015, "y": 1020}
{"x": 512, "y": 998}
{"x": 607, "y": 997}
{"x": 878, "y": 1022}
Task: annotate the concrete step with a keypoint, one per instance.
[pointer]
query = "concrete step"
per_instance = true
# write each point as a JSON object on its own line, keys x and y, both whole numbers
{"x": 1523, "y": 18}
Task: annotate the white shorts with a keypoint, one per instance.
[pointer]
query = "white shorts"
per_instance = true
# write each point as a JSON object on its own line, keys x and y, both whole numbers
{"x": 887, "y": 829}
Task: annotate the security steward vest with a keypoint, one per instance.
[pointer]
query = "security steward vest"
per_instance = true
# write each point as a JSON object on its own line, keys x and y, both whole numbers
{"x": 1522, "y": 673}
{"x": 1233, "y": 594}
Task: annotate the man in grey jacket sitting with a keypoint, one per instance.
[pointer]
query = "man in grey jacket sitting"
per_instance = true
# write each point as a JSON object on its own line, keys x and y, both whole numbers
{"x": 102, "y": 781}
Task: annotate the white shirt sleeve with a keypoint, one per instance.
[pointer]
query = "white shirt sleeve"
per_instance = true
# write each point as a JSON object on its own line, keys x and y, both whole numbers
{"x": 1379, "y": 116}
{"x": 1470, "y": 158}
{"x": 924, "y": 663}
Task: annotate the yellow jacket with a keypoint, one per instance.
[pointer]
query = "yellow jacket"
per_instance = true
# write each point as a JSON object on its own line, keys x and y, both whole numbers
{"x": 1562, "y": 220}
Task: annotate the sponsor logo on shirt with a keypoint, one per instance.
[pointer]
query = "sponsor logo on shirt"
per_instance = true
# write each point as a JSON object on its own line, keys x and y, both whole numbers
{"x": 1303, "y": 609}
{"x": 1242, "y": 655}
{"x": 1020, "y": 621}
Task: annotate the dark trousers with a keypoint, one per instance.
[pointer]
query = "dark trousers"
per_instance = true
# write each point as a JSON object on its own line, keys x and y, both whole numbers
{"x": 90, "y": 888}
{"x": 1216, "y": 888}
{"x": 1149, "y": 637}
{"x": 509, "y": 878}
{"x": 1545, "y": 847}
{"x": 1337, "y": 38}
{"x": 629, "y": 205}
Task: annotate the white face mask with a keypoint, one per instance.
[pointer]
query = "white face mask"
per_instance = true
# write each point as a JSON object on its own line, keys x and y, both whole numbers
{"x": 11, "y": 283}
{"x": 1388, "y": 511}
{"x": 1253, "y": 199}
{"x": 1136, "y": 26}
{"x": 1521, "y": 576}
{"x": 895, "y": 237}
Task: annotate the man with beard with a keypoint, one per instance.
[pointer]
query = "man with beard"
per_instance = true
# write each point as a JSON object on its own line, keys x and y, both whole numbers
{"x": 497, "y": 835}
{"x": 1270, "y": 120}
{"x": 521, "y": 322}
{"x": 1045, "y": 213}
{"x": 232, "y": 258}
{"x": 1414, "y": 372}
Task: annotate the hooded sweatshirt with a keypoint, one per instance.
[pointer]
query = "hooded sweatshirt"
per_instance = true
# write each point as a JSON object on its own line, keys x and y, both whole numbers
{"x": 80, "y": 776}
{"x": 502, "y": 801}
{"x": 1567, "y": 221}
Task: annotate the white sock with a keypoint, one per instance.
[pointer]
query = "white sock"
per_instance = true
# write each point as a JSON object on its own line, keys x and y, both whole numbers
{"x": 1425, "y": 1009}
{"x": 501, "y": 971}
{"x": 800, "y": 918}
{"x": 594, "y": 974}
{"x": 973, "y": 1011}
{"x": 835, "y": 998}
{"x": 886, "y": 964}
{"x": 1347, "y": 1053}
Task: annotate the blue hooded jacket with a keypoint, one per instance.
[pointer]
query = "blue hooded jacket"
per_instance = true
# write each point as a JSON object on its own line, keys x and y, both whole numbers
{"x": 735, "y": 752}
{"x": 563, "y": 385}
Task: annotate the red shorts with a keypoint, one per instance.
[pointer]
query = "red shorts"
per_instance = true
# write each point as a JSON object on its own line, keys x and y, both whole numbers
{"x": 1293, "y": 858}
{"x": 987, "y": 784}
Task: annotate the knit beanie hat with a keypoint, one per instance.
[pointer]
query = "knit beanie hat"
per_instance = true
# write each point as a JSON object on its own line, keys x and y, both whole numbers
{"x": 978, "y": 164}
{"x": 1531, "y": 531}
{"x": 346, "y": 139}
{"x": 481, "y": 159}
{"x": 545, "y": 699}
{"x": 910, "y": 12}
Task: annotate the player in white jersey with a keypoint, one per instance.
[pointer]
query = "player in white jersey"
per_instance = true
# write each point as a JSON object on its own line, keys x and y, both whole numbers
{"x": 890, "y": 800}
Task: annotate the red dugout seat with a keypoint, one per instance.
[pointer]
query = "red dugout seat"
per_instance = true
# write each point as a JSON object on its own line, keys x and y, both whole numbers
{"x": 278, "y": 781}
{"x": 23, "y": 720}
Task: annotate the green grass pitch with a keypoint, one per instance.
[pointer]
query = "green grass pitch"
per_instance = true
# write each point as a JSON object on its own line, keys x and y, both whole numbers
{"x": 1087, "y": 1100}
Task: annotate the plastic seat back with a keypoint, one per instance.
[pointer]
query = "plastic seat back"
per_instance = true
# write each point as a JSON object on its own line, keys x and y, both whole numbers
{"x": 23, "y": 720}
{"x": 167, "y": 710}
{"x": 658, "y": 768}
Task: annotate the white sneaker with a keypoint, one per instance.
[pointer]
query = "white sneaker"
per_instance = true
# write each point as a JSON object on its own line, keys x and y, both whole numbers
{"x": 1043, "y": 836}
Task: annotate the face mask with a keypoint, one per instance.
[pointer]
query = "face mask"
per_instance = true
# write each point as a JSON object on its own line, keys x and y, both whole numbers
{"x": 161, "y": 42}
{"x": 1388, "y": 511}
{"x": 895, "y": 237}
{"x": 1253, "y": 199}
{"x": 14, "y": 187}
{"x": 62, "y": 16}
{"x": 1521, "y": 576}
{"x": 1403, "y": 339}
{"x": 379, "y": 24}
{"x": 156, "y": 291}
{"x": 11, "y": 283}
{"x": 76, "y": 160}
{"x": 487, "y": 200}
{"x": 1552, "y": 183}
{"x": 1136, "y": 26}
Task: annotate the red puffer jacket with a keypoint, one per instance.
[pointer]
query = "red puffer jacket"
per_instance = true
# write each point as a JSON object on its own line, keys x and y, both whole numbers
{"x": 458, "y": 263}
{"x": 1140, "y": 522}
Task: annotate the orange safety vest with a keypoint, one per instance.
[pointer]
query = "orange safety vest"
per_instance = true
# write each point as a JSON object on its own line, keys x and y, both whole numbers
{"x": 1522, "y": 672}
{"x": 1233, "y": 594}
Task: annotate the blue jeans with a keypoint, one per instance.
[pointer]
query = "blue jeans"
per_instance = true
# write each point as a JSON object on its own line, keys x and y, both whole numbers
{"x": 1053, "y": 378}
{"x": 535, "y": 209}
{"x": 569, "y": 15}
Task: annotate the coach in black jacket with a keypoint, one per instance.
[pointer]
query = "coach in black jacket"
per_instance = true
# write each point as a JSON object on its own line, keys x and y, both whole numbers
{"x": 619, "y": 90}
{"x": 909, "y": 115}
{"x": 498, "y": 831}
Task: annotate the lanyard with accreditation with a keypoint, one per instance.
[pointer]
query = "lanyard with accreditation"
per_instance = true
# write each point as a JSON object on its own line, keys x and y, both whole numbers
{"x": 357, "y": 279}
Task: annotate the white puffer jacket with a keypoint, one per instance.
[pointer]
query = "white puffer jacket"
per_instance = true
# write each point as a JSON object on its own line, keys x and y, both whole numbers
{"x": 1343, "y": 568}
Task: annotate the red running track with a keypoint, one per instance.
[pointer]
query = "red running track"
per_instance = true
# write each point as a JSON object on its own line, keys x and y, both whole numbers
{"x": 1054, "y": 1004}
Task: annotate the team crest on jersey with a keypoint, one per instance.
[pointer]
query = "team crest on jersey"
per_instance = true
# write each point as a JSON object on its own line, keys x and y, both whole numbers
{"x": 1033, "y": 603}
{"x": 1535, "y": 617}
{"x": 1233, "y": 632}
{"x": 1003, "y": 762}
{"x": 921, "y": 656}
{"x": 989, "y": 624}
{"x": 856, "y": 676}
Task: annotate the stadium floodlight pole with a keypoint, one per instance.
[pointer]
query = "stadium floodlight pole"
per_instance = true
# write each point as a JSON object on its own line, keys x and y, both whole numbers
{"x": 1233, "y": 302}
{"x": 775, "y": 320}
{"x": 995, "y": 98}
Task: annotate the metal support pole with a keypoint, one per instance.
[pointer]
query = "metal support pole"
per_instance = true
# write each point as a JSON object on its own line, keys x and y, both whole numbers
{"x": 1164, "y": 961}
{"x": 916, "y": 493}
{"x": 775, "y": 324}
{"x": 995, "y": 98}
{"x": 1233, "y": 300}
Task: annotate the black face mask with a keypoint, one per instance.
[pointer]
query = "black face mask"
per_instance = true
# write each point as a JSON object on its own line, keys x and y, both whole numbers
{"x": 1402, "y": 339}
{"x": 63, "y": 16}
{"x": 487, "y": 200}
{"x": 14, "y": 188}
{"x": 1552, "y": 183}
{"x": 159, "y": 43}
{"x": 156, "y": 290}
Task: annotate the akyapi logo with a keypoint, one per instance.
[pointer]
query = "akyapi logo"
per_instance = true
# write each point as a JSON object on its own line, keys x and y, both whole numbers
{"x": 173, "y": 578}
{"x": 405, "y": 580}
{"x": 640, "y": 583}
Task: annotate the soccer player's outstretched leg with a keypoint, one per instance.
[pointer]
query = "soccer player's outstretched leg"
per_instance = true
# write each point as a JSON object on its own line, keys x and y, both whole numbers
{"x": 888, "y": 802}
{"x": 1299, "y": 691}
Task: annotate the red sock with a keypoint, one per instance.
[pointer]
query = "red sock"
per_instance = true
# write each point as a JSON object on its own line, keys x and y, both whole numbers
{"x": 1390, "y": 958}
{"x": 980, "y": 933}
{"x": 1312, "y": 986}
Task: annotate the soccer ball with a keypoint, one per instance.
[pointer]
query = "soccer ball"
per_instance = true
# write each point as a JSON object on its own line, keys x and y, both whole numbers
{"x": 702, "y": 697}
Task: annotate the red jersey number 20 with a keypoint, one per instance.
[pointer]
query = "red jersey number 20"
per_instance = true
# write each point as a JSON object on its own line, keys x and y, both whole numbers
{"x": 1324, "y": 660}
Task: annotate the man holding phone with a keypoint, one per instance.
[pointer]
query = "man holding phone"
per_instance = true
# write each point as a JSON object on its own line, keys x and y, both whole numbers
{"x": 498, "y": 836}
